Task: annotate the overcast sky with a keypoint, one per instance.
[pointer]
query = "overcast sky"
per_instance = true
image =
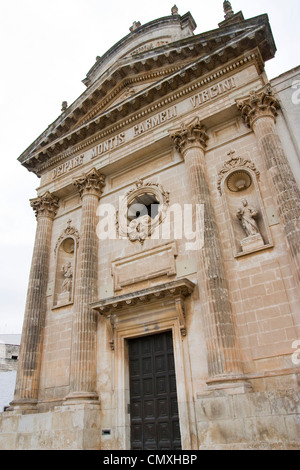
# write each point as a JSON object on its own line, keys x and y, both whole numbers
{"x": 47, "y": 47}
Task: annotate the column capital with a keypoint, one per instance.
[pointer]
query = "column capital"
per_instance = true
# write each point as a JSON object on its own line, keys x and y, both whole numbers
{"x": 258, "y": 104}
{"x": 190, "y": 135}
{"x": 90, "y": 183}
{"x": 45, "y": 206}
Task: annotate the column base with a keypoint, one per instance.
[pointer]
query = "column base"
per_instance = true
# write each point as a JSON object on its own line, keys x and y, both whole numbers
{"x": 76, "y": 398}
{"x": 24, "y": 405}
{"x": 232, "y": 385}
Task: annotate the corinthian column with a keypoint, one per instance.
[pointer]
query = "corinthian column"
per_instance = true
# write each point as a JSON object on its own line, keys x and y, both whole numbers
{"x": 28, "y": 376}
{"x": 259, "y": 111}
{"x": 190, "y": 140}
{"x": 83, "y": 359}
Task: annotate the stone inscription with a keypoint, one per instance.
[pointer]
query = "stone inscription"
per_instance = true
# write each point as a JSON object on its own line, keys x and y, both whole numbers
{"x": 149, "y": 47}
{"x": 149, "y": 124}
{"x": 155, "y": 121}
{"x": 68, "y": 166}
{"x": 213, "y": 91}
{"x": 109, "y": 144}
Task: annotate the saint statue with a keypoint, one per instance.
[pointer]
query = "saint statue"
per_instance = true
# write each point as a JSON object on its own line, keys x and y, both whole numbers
{"x": 247, "y": 216}
{"x": 68, "y": 275}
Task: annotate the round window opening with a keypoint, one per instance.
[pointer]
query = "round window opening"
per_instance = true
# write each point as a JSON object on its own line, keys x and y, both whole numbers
{"x": 143, "y": 205}
{"x": 142, "y": 211}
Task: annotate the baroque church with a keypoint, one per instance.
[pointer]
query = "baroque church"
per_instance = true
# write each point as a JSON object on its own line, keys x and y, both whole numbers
{"x": 163, "y": 304}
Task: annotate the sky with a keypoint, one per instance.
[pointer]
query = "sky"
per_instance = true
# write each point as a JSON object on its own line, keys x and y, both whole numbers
{"x": 47, "y": 48}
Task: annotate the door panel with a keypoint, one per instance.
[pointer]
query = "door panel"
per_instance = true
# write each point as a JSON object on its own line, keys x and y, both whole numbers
{"x": 153, "y": 395}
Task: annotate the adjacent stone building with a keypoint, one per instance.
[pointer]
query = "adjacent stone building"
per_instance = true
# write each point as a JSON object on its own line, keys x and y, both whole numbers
{"x": 163, "y": 301}
{"x": 9, "y": 356}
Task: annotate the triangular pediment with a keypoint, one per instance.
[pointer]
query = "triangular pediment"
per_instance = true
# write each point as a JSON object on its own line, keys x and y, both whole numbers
{"x": 136, "y": 79}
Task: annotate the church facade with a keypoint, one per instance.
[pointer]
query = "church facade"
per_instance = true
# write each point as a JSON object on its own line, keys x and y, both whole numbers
{"x": 163, "y": 301}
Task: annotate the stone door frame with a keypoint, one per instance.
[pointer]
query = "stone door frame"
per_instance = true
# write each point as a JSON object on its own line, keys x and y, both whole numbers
{"x": 121, "y": 366}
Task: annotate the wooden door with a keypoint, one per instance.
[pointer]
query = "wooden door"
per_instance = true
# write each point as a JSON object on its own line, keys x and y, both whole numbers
{"x": 153, "y": 397}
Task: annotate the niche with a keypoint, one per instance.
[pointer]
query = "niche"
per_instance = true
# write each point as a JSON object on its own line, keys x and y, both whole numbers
{"x": 65, "y": 251}
{"x": 238, "y": 184}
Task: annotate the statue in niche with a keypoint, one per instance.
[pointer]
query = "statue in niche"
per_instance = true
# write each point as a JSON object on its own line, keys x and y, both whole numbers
{"x": 247, "y": 216}
{"x": 68, "y": 275}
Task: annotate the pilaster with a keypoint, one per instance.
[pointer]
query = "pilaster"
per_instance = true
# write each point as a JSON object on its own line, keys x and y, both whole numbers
{"x": 222, "y": 351}
{"x": 259, "y": 111}
{"x": 28, "y": 376}
{"x": 83, "y": 357}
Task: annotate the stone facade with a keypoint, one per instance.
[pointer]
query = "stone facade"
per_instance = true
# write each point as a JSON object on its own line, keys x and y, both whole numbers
{"x": 9, "y": 352}
{"x": 168, "y": 202}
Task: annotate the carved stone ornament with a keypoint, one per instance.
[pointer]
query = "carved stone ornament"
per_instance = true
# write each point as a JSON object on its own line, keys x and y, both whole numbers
{"x": 259, "y": 104}
{"x": 235, "y": 162}
{"x": 67, "y": 233}
{"x": 90, "y": 183}
{"x": 113, "y": 307}
{"x": 227, "y": 9}
{"x": 189, "y": 134}
{"x": 45, "y": 206}
{"x": 140, "y": 228}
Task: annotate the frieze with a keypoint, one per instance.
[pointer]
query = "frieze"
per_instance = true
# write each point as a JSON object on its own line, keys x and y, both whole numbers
{"x": 148, "y": 47}
{"x": 212, "y": 92}
{"x": 68, "y": 166}
{"x": 108, "y": 145}
{"x": 154, "y": 121}
{"x": 114, "y": 129}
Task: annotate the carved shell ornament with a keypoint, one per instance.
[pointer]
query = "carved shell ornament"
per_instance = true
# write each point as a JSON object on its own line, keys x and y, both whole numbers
{"x": 233, "y": 181}
{"x": 67, "y": 233}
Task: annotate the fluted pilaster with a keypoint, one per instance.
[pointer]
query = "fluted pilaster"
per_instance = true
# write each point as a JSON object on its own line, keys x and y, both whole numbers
{"x": 28, "y": 376}
{"x": 259, "y": 111}
{"x": 83, "y": 363}
{"x": 190, "y": 140}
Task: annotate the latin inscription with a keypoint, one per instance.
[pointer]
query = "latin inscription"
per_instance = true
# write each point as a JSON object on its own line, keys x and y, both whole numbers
{"x": 154, "y": 121}
{"x": 68, "y": 166}
{"x": 114, "y": 142}
{"x": 213, "y": 91}
{"x": 109, "y": 144}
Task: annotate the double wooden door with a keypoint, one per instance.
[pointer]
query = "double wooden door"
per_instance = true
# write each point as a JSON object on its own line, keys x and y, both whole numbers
{"x": 153, "y": 396}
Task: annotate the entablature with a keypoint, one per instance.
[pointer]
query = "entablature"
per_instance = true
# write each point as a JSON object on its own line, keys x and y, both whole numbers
{"x": 159, "y": 97}
{"x": 171, "y": 66}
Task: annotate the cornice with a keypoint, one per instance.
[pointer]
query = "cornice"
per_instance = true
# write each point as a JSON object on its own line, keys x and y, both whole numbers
{"x": 122, "y": 86}
{"x": 182, "y": 21}
{"x": 158, "y": 105}
{"x": 45, "y": 148}
{"x": 172, "y": 290}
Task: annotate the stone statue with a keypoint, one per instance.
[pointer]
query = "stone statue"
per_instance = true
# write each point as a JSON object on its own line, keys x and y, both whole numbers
{"x": 68, "y": 275}
{"x": 247, "y": 216}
